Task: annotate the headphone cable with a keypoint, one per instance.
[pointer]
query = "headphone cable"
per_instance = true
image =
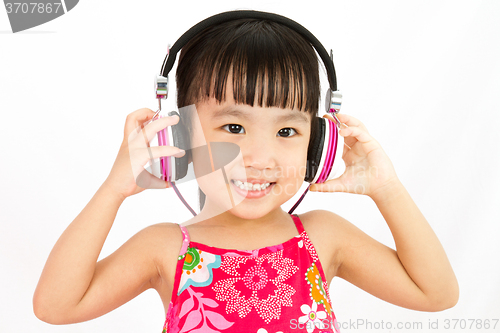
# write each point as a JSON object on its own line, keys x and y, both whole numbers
{"x": 298, "y": 202}
{"x": 182, "y": 198}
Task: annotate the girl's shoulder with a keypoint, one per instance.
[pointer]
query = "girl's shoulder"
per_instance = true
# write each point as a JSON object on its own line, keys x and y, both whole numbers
{"x": 322, "y": 222}
{"x": 163, "y": 238}
{"x": 163, "y": 233}
{"x": 164, "y": 241}
{"x": 328, "y": 232}
{"x": 328, "y": 227}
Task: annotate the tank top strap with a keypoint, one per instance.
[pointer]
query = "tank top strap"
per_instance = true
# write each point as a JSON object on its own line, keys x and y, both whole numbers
{"x": 298, "y": 223}
{"x": 185, "y": 240}
{"x": 178, "y": 270}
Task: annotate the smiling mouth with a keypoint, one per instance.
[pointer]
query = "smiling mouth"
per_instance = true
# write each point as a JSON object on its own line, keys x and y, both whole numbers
{"x": 246, "y": 186}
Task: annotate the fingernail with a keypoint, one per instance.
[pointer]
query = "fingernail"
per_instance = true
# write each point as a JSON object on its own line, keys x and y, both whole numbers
{"x": 180, "y": 153}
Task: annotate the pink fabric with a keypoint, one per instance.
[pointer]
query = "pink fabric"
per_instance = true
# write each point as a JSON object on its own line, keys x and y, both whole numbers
{"x": 275, "y": 289}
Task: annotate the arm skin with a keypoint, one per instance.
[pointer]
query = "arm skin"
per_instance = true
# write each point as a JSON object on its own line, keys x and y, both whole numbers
{"x": 418, "y": 274}
{"x": 74, "y": 287}
{"x": 418, "y": 248}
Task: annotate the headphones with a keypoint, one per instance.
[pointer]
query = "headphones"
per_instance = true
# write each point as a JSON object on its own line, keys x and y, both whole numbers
{"x": 324, "y": 156}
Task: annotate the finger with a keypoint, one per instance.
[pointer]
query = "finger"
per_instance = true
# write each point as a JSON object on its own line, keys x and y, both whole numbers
{"x": 139, "y": 157}
{"x": 348, "y": 141}
{"x": 367, "y": 141}
{"x": 157, "y": 125}
{"x": 147, "y": 180}
{"x": 329, "y": 116}
{"x": 142, "y": 136}
{"x": 137, "y": 118}
{"x": 161, "y": 151}
{"x": 351, "y": 121}
{"x": 333, "y": 185}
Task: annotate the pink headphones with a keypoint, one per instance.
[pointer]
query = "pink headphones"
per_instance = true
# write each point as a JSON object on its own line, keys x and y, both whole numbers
{"x": 324, "y": 157}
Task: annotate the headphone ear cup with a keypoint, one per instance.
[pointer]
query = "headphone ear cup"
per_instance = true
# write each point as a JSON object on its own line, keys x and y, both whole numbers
{"x": 326, "y": 158}
{"x": 337, "y": 164}
{"x": 315, "y": 149}
{"x": 163, "y": 169}
{"x": 181, "y": 140}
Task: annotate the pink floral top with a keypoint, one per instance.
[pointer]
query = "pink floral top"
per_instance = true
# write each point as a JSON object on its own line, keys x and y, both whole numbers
{"x": 274, "y": 289}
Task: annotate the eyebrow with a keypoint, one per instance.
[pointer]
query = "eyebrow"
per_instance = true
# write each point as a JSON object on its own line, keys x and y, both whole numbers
{"x": 232, "y": 112}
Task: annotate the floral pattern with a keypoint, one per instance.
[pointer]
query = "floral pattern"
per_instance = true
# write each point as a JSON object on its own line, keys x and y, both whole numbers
{"x": 199, "y": 314}
{"x": 258, "y": 291}
{"x": 312, "y": 317}
{"x": 317, "y": 287}
{"x": 197, "y": 268}
{"x": 255, "y": 277}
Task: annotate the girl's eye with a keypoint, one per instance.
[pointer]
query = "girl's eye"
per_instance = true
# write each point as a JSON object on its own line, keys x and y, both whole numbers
{"x": 287, "y": 132}
{"x": 234, "y": 128}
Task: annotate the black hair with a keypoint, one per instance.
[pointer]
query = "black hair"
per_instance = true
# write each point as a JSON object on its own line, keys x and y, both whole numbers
{"x": 271, "y": 66}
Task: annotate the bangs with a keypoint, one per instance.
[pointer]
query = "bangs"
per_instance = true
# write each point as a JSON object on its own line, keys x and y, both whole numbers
{"x": 269, "y": 65}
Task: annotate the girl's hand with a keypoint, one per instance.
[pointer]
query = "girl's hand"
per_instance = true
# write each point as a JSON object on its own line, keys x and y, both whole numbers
{"x": 128, "y": 169}
{"x": 368, "y": 168}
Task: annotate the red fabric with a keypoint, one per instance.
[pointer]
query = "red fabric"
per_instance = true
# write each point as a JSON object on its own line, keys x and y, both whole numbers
{"x": 274, "y": 289}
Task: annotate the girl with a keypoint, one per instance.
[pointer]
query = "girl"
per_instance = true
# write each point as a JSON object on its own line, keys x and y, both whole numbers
{"x": 250, "y": 267}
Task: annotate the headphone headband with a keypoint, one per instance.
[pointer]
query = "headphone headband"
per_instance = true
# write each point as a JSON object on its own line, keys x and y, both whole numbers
{"x": 323, "y": 161}
{"x": 168, "y": 63}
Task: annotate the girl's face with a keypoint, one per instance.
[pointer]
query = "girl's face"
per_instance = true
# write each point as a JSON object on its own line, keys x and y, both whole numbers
{"x": 273, "y": 144}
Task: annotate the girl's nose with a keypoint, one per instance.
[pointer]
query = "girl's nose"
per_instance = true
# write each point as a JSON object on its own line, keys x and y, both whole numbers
{"x": 259, "y": 153}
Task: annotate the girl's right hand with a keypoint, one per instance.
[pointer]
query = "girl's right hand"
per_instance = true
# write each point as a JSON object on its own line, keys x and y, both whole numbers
{"x": 135, "y": 152}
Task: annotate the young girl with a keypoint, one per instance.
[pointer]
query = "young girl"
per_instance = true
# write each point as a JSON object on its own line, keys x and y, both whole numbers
{"x": 251, "y": 267}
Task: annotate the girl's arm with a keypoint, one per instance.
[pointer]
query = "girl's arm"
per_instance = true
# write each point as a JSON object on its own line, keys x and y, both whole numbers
{"x": 74, "y": 287}
{"x": 418, "y": 274}
{"x": 418, "y": 249}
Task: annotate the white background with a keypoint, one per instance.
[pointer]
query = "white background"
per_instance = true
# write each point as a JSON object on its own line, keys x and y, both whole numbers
{"x": 424, "y": 77}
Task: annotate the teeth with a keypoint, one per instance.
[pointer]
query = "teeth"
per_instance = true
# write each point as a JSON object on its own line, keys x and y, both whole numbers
{"x": 251, "y": 187}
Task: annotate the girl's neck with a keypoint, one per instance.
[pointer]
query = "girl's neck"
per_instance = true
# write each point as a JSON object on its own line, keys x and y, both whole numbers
{"x": 210, "y": 216}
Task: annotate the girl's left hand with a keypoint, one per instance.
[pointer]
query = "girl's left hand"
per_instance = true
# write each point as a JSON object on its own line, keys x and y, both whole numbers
{"x": 368, "y": 168}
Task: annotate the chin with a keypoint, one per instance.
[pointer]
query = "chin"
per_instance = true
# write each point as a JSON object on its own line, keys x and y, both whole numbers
{"x": 247, "y": 206}
{"x": 252, "y": 209}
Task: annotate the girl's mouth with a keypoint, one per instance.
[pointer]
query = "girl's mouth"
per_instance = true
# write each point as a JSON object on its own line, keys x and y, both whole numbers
{"x": 252, "y": 191}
